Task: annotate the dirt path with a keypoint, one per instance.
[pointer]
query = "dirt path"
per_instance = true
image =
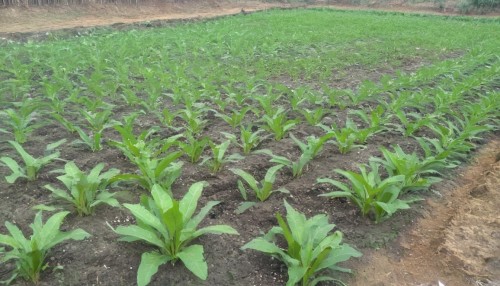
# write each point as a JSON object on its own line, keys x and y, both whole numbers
{"x": 41, "y": 19}
{"x": 457, "y": 242}
{"x": 13, "y": 20}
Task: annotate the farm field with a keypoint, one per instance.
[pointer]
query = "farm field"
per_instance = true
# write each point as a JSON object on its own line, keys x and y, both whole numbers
{"x": 303, "y": 100}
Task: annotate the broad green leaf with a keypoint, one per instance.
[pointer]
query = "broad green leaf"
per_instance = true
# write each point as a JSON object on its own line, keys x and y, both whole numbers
{"x": 27, "y": 158}
{"x": 337, "y": 195}
{"x": 295, "y": 274}
{"x": 271, "y": 173}
{"x": 339, "y": 254}
{"x": 335, "y": 183}
{"x": 249, "y": 179}
{"x": 392, "y": 207}
{"x": 51, "y": 228}
{"x": 140, "y": 233}
{"x": 77, "y": 234}
{"x": 59, "y": 193}
{"x": 161, "y": 198}
{"x": 17, "y": 171}
{"x": 147, "y": 217}
{"x": 150, "y": 261}
{"x": 9, "y": 241}
{"x": 263, "y": 245}
{"x": 18, "y": 236}
{"x": 215, "y": 229}
{"x": 296, "y": 222}
{"x": 174, "y": 221}
{"x": 189, "y": 202}
{"x": 192, "y": 257}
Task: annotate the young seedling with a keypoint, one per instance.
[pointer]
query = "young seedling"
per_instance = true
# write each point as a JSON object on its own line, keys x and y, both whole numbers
{"x": 376, "y": 120}
{"x": 313, "y": 117}
{"x": 370, "y": 193}
{"x": 314, "y": 145}
{"x": 30, "y": 254}
{"x": 219, "y": 158}
{"x": 235, "y": 118}
{"x": 248, "y": 138}
{"x": 278, "y": 124}
{"x": 193, "y": 148}
{"x": 310, "y": 247}
{"x": 85, "y": 191}
{"x": 169, "y": 225}
{"x": 193, "y": 119}
{"x": 98, "y": 122}
{"x": 419, "y": 174}
{"x": 261, "y": 189}
{"x": 67, "y": 124}
{"x": 21, "y": 120}
{"x": 153, "y": 170}
{"x": 297, "y": 167}
{"x": 32, "y": 165}
{"x": 345, "y": 138}
{"x": 411, "y": 122}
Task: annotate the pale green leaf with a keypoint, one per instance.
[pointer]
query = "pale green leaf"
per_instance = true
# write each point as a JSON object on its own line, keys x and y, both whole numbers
{"x": 189, "y": 202}
{"x": 215, "y": 229}
{"x": 139, "y": 233}
{"x": 150, "y": 261}
{"x": 192, "y": 257}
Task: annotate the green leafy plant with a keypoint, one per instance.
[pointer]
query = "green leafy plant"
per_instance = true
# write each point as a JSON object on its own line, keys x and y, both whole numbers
{"x": 297, "y": 167}
{"x": 98, "y": 122}
{"x": 86, "y": 191}
{"x": 411, "y": 122}
{"x": 248, "y": 138}
{"x": 278, "y": 124}
{"x": 345, "y": 138}
{"x": 419, "y": 174}
{"x": 376, "y": 120}
{"x": 170, "y": 226}
{"x": 154, "y": 170}
{"x": 193, "y": 119}
{"x": 70, "y": 127}
{"x": 30, "y": 254}
{"x": 218, "y": 158}
{"x": 370, "y": 193}
{"x": 313, "y": 117}
{"x": 91, "y": 140}
{"x": 235, "y": 118}
{"x": 193, "y": 147}
{"x": 32, "y": 165}
{"x": 313, "y": 144}
{"x": 311, "y": 248}
{"x": 144, "y": 145}
{"x": 261, "y": 189}
{"x": 21, "y": 119}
